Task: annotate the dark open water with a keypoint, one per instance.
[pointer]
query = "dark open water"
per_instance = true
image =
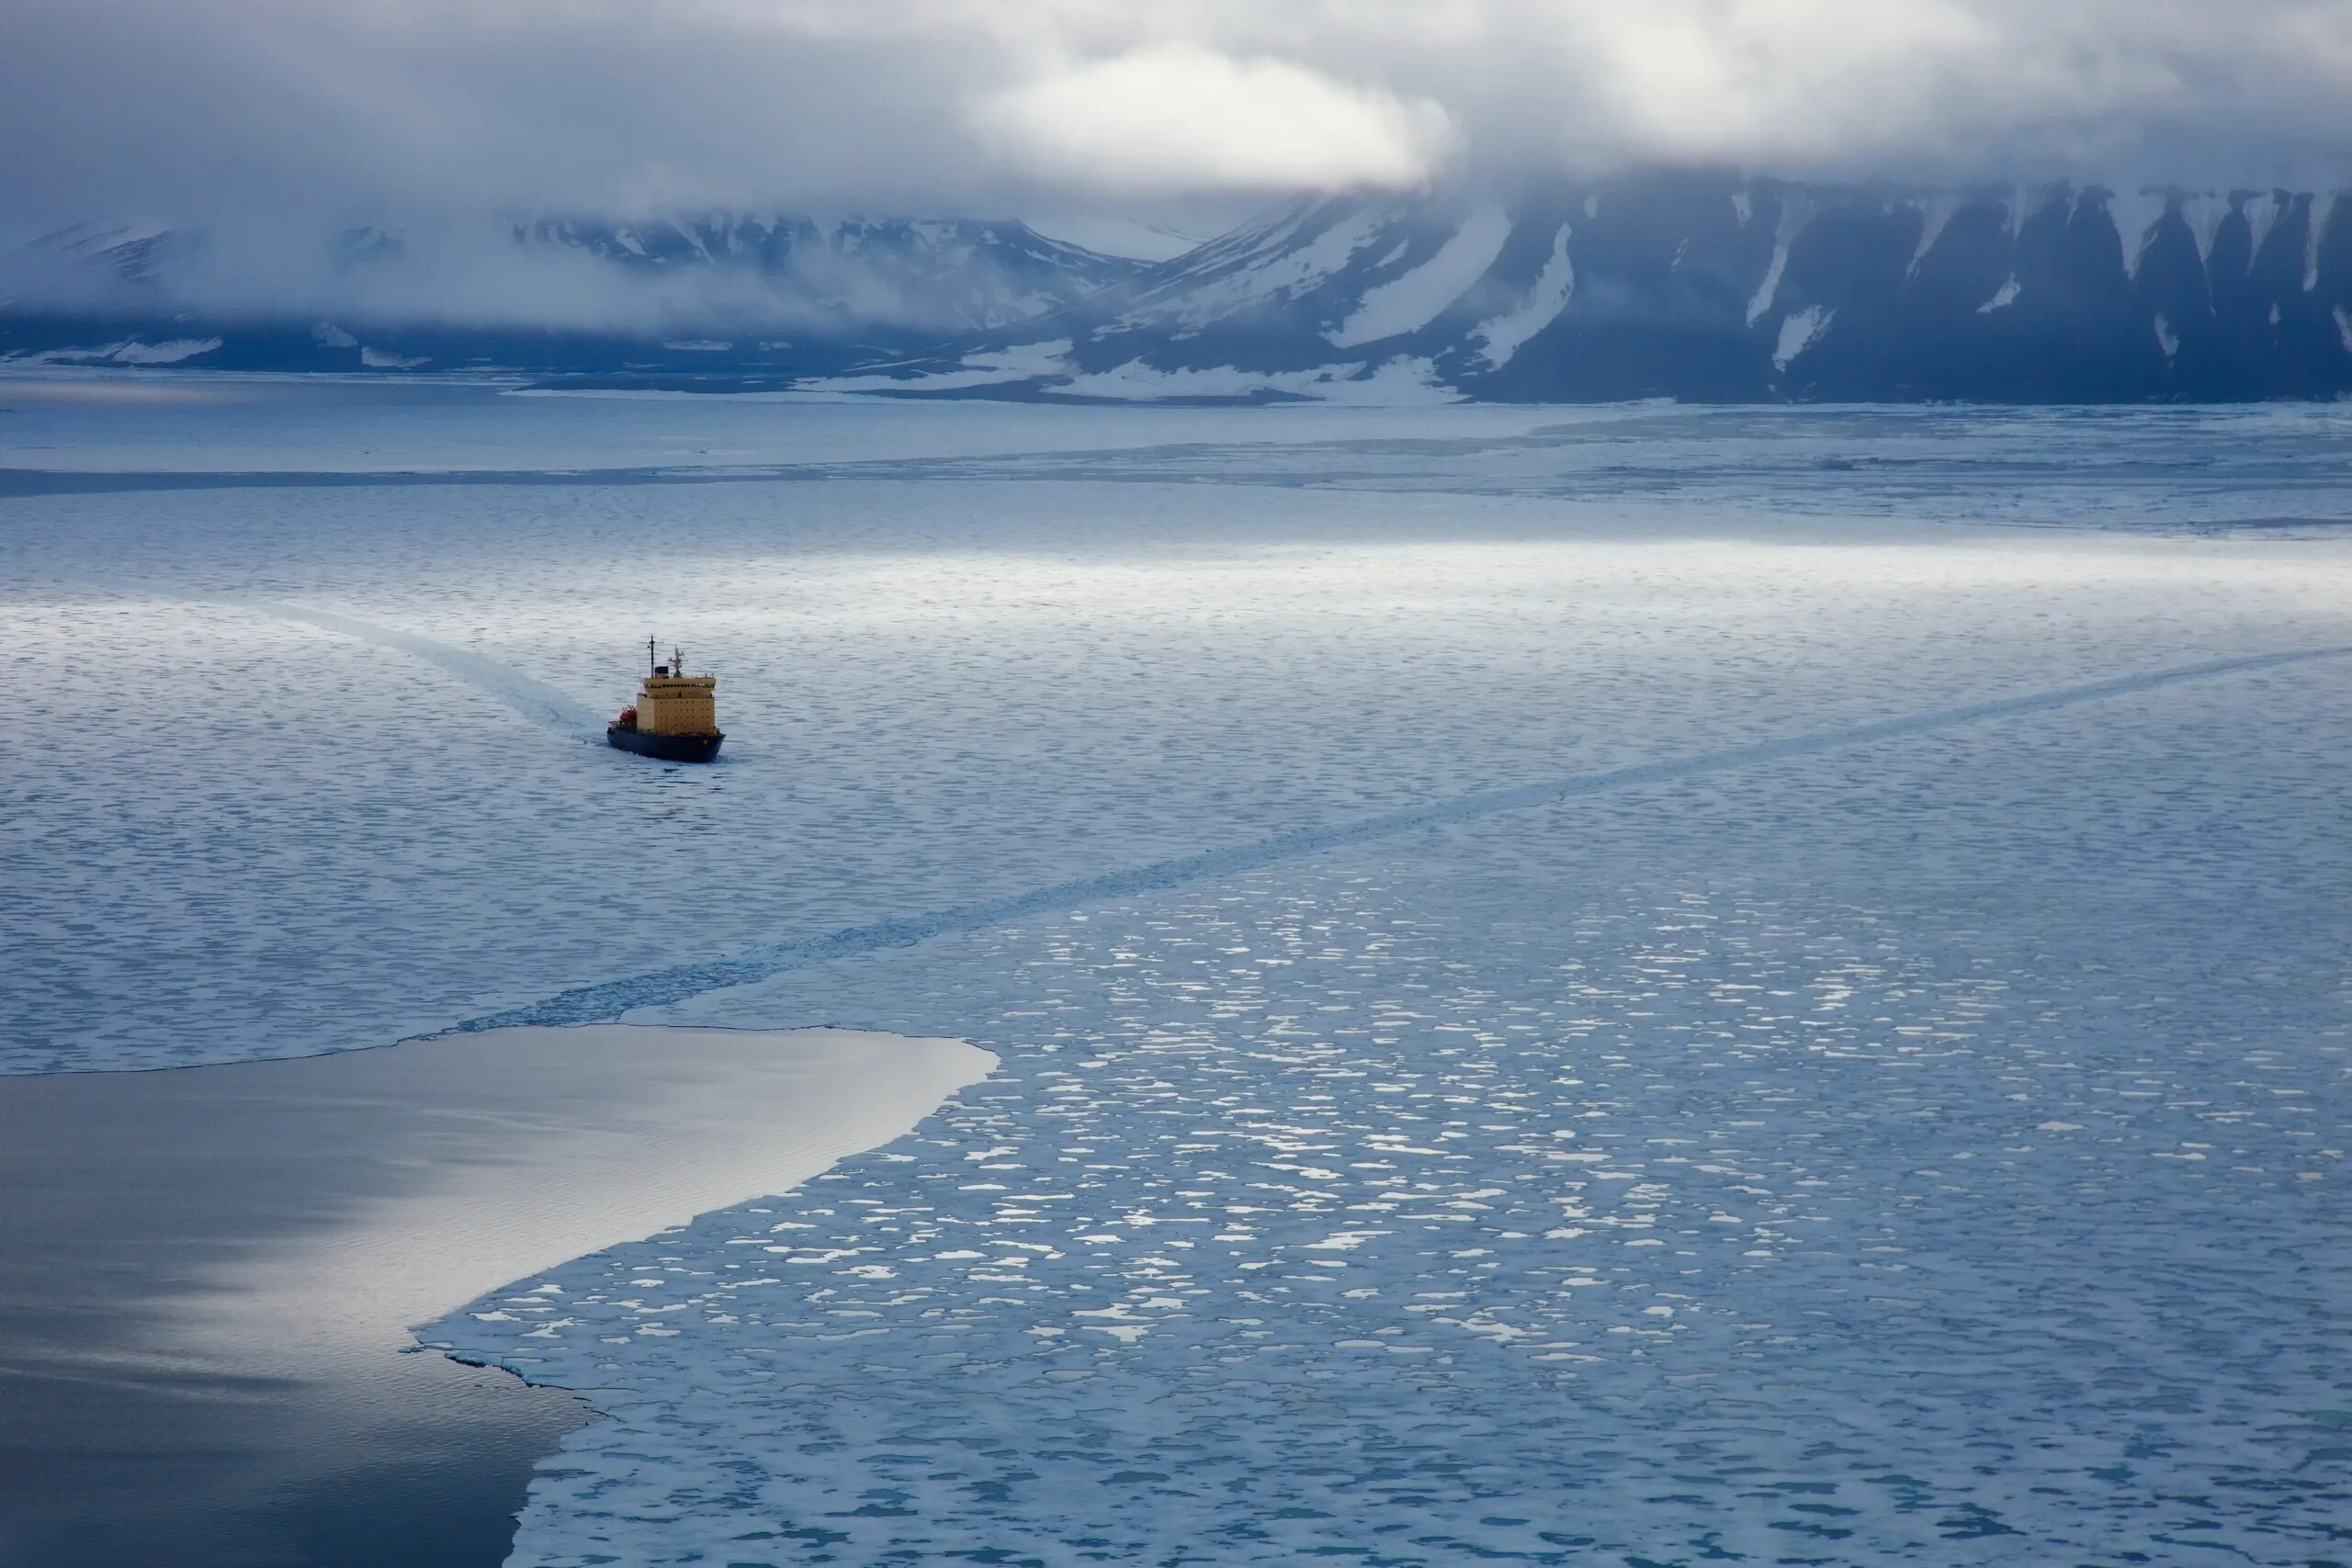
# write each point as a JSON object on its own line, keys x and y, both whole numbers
{"x": 206, "y": 1273}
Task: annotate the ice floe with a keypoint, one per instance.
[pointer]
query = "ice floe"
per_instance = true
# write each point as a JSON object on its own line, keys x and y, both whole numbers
{"x": 1923, "y": 1148}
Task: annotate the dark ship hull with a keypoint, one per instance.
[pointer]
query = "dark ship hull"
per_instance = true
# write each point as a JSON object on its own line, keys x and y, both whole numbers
{"x": 669, "y": 747}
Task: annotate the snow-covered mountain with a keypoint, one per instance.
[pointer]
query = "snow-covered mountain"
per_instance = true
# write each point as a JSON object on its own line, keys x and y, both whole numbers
{"x": 1713, "y": 288}
{"x": 1687, "y": 285}
{"x": 945, "y": 274}
{"x": 120, "y": 255}
{"x": 725, "y": 292}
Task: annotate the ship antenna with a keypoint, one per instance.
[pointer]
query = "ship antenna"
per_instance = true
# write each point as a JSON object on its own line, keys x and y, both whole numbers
{"x": 650, "y": 654}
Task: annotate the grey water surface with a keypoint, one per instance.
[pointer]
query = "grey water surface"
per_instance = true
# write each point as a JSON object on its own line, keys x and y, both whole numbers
{"x": 207, "y": 1274}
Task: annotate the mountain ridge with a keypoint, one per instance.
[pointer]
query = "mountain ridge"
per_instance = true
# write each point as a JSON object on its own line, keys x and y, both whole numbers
{"x": 782, "y": 294}
{"x": 1718, "y": 290}
{"x": 1695, "y": 285}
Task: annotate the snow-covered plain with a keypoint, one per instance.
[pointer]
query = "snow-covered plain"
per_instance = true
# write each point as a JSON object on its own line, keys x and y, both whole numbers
{"x": 1923, "y": 1144}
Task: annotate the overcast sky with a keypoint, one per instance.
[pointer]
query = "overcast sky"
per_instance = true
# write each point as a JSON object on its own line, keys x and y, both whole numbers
{"x": 357, "y": 108}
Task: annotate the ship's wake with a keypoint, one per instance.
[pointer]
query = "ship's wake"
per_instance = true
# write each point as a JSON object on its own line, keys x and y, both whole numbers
{"x": 607, "y": 1001}
{"x": 541, "y": 703}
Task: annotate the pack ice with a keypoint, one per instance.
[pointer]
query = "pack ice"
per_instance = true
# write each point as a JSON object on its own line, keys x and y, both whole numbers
{"x": 1835, "y": 1052}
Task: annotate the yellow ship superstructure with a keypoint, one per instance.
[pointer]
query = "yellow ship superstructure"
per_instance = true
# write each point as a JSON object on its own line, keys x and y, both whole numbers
{"x": 669, "y": 704}
{"x": 675, "y": 717}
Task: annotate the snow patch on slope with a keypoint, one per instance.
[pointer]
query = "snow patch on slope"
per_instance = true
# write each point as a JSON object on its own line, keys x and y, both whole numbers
{"x": 1396, "y": 381}
{"x": 170, "y": 353}
{"x": 131, "y": 351}
{"x": 2322, "y": 210}
{"x": 1271, "y": 271}
{"x": 1798, "y": 332}
{"x": 2263, "y": 214}
{"x": 1791, "y": 220}
{"x": 1938, "y": 214}
{"x": 1553, "y": 287}
{"x": 2203, "y": 214}
{"x": 1021, "y": 361}
{"x": 2135, "y": 218}
{"x": 1416, "y": 298}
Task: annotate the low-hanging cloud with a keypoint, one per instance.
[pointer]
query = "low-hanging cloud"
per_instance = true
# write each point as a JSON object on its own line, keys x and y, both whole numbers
{"x": 173, "y": 109}
{"x": 264, "y": 116}
{"x": 1176, "y": 116}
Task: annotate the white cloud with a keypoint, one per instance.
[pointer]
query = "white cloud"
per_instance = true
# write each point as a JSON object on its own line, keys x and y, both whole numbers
{"x": 355, "y": 109}
{"x": 1175, "y": 117}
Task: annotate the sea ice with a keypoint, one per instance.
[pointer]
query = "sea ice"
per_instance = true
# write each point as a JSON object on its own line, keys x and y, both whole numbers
{"x": 1923, "y": 1147}
{"x": 1918, "y": 1153}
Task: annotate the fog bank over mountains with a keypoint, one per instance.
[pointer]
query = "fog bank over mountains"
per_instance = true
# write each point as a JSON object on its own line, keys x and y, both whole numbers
{"x": 1494, "y": 199}
{"x": 1697, "y": 286}
{"x": 637, "y": 275}
{"x": 255, "y": 109}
